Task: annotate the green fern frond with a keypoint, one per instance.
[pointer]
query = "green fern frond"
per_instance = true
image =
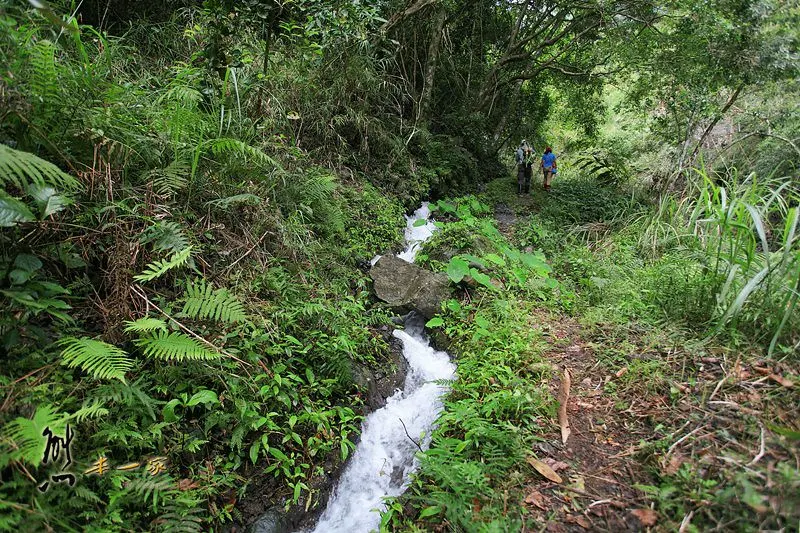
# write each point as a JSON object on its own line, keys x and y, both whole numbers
{"x": 12, "y": 211}
{"x": 159, "y": 268}
{"x": 24, "y": 437}
{"x": 166, "y": 235}
{"x": 203, "y": 302}
{"x": 100, "y": 359}
{"x": 84, "y": 495}
{"x": 174, "y": 347}
{"x": 181, "y": 519}
{"x": 312, "y": 192}
{"x": 151, "y": 488}
{"x": 187, "y": 97}
{"x": 234, "y": 148}
{"x": 43, "y": 73}
{"x": 22, "y": 169}
{"x": 89, "y": 411}
{"x": 169, "y": 180}
{"x": 145, "y": 324}
{"x": 131, "y": 396}
{"x": 225, "y": 203}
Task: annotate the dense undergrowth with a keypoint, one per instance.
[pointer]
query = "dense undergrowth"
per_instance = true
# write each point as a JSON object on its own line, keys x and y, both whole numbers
{"x": 188, "y": 203}
{"x": 654, "y": 315}
{"x": 160, "y": 290}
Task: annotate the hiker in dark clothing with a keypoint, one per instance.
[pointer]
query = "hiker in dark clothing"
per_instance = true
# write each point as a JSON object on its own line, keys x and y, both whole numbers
{"x": 519, "y": 161}
{"x": 524, "y": 160}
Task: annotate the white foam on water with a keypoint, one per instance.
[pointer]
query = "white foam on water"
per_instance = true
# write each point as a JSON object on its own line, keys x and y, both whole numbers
{"x": 417, "y": 235}
{"x": 385, "y": 456}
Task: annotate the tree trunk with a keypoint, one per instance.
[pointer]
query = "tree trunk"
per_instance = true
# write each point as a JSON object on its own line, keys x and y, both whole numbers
{"x": 430, "y": 68}
{"x": 717, "y": 118}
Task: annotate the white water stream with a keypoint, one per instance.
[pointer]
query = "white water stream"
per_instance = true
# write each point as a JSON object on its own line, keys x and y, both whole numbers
{"x": 385, "y": 456}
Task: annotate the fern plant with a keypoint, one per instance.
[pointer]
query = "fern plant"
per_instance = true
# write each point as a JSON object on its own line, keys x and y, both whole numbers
{"x": 202, "y": 301}
{"x": 171, "y": 179}
{"x": 100, "y": 359}
{"x": 602, "y": 166}
{"x": 23, "y": 437}
{"x": 23, "y": 169}
{"x": 159, "y": 268}
{"x": 173, "y": 346}
{"x": 166, "y": 235}
{"x": 43, "y": 76}
{"x": 234, "y": 150}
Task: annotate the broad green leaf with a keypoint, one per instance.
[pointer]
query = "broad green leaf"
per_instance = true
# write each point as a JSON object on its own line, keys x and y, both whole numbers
{"x": 27, "y": 262}
{"x": 457, "y": 269}
{"x": 520, "y": 274}
{"x": 420, "y": 222}
{"x": 277, "y": 454}
{"x": 293, "y": 340}
{"x": 254, "y": 448}
{"x": 12, "y": 211}
{"x": 434, "y": 322}
{"x": 47, "y": 199}
{"x": 453, "y": 305}
{"x": 430, "y": 511}
{"x": 204, "y": 396}
{"x": 168, "y": 412}
{"x": 474, "y": 259}
{"x": 482, "y": 278}
{"x": 19, "y": 276}
{"x": 534, "y": 262}
{"x": 496, "y": 259}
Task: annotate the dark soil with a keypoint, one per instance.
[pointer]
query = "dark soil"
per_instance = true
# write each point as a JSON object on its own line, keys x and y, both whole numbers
{"x": 596, "y": 463}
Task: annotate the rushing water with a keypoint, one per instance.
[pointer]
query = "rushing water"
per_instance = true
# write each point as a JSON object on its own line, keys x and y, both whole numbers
{"x": 385, "y": 455}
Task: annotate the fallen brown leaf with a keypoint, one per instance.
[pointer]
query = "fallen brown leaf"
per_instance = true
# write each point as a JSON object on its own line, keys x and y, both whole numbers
{"x": 581, "y": 521}
{"x": 647, "y": 517}
{"x": 555, "y": 465}
{"x": 476, "y": 505}
{"x": 544, "y": 470}
{"x": 536, "y": 498}
{"x": 187, "y": 484}
{"x": 675, "y": 462}
{"x": 788, "y": 383}
{"x": 563, "y": 398}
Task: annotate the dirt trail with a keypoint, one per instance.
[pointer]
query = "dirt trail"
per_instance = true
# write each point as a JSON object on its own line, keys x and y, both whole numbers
{"x": 596, "y": 464}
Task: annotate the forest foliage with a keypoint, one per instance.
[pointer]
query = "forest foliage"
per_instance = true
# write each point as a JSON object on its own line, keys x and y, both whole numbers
{"x": 189, "y": 192}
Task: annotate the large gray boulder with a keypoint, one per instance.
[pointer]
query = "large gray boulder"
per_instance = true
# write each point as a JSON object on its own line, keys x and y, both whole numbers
{"x": 407, "y": 287}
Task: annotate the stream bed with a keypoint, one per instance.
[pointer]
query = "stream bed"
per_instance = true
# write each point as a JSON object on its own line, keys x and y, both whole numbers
{"x": 385, "y": 455}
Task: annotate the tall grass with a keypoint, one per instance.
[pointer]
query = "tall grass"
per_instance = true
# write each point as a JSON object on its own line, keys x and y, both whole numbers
{"x": 743, "y": 233}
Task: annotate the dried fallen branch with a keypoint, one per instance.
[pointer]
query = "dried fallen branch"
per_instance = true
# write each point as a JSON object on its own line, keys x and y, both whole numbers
{"x": 563, "y": 398}
{"x": 762, "y": 449}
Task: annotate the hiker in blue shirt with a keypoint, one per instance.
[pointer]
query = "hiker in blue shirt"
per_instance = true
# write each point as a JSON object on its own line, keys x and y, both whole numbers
{"x": 548, "y": 166}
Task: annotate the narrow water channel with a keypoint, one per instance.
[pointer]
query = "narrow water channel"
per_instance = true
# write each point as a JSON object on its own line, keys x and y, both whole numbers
{"x": 385, "y": 455}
